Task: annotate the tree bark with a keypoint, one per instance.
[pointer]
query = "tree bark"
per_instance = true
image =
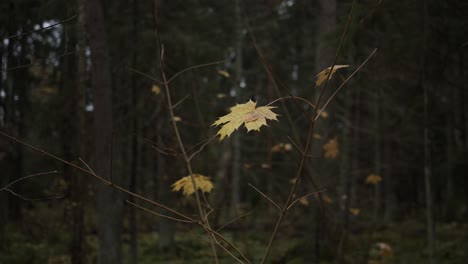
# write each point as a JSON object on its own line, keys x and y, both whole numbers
{"x": 109, "y": 201}
{"x": 236, "y": 142}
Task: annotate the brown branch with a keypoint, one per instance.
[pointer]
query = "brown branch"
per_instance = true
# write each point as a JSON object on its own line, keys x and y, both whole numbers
{"x": 264, "y": 195}
{"x": 28, "y": 177}
{"x": 44, "y": 28}
{"x": 192, "y": 68}
{"x": 158, "y": 214}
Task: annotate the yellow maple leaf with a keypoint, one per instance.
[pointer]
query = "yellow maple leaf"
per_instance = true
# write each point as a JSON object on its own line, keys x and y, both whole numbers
{"x": 322, "y": 76}
{"x": 373, "y": 179}
{"x": 253, "y": 118}
{"x": 203, "y": 184}
{"x": 331, "y": 149}
{"x": 155, "y": 89}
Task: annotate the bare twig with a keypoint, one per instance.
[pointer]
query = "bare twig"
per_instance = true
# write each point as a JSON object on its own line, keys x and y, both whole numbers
{"x": 233, "y": 221}
{"x": 28, "y": 177}
{"x": 266, "y": 196}
{"x": 158, "y": 214}
{"x": 304, "y": 196}
{"x": 292, "y": 97}
{"x": 192, "y": 68}
{"x": 307, "y": 145}
{"x": 44, "y": 28}
{"x": 344, "y": 82}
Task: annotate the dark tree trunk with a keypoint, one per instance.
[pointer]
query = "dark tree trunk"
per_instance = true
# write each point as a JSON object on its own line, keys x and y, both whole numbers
{"x": 109, "y": 201}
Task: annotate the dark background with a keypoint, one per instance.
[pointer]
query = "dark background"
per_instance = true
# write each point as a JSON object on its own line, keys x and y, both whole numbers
{"x": 71, "y": 84}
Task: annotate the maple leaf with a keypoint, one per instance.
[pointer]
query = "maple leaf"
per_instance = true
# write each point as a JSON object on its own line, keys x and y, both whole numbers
{"x": 203, "y": 183}
{"x": 322, "y": 76}
{"x": 331, "y": 149}
{"x": 248, "y": 114}
{"x": 373, "y": 179}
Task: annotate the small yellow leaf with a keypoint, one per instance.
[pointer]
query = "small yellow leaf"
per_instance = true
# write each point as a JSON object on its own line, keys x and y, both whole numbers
{"x": 373, "y": 179}
{"x": 155, "y": 89}
{"x": 317, "y": 136}
{"x": 203, "y": 184}
{"x": 331, "y": 149}
{"x": 224, "y": 73}
{"x": 177, "y": 118}
{"x": 324, "y": 114}
{"x": 323, "y": 75}
{"x": 325, "y": 198}
{"x": 304, "y": 201}
{"x": 354, "y": 211}
{"x": 220, "y": 95}
{"x": 281, "y": 147}
{"x": 253, "y": 118}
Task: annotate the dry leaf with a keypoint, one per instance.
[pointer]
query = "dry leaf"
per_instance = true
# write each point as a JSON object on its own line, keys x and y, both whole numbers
{"x": 177, "y": 118}
{"x": 324, "y": 114}
{"x": 155, "y": 89}
{"x": 325, "y": 198}
{"x": 373, "y": 179}
{"x": 203, "y": 184}
{"x": 354, "y": 211}
{"x": 224, "y": 73}
{"x": 322, "y": 76}
{"x": 331, "y": 149}
{"x": 304, "y": 201}
{"x": 252, "y": 118}
{"x": 221, "y": 95}
{"x": 317, "y": 136}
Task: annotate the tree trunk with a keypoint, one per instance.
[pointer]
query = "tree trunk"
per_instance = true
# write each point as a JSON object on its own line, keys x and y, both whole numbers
{"x": 236, "y": 142}
{"x": 109, "y": 201}
{"x": 427, "y": 141}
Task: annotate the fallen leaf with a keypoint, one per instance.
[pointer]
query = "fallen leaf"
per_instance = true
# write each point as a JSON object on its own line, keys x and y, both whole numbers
{"x": 331, "y": 149}
{"x": 203, "y": 184}
{"x": 322, "y": 76}
{"x": 253, "y": 118}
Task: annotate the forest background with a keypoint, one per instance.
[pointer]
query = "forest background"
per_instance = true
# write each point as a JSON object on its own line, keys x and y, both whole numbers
{"x": 382, "y": 181}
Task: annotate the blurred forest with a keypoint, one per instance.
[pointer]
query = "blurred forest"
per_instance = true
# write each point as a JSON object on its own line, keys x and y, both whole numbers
{"x": 87, "y": 81}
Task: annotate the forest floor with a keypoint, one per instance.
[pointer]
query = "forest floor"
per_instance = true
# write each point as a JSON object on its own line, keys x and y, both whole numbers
{"x": 35, "y": 241}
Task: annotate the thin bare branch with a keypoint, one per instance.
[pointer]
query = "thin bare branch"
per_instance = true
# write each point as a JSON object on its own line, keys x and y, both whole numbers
{"x": 296, "y": 146}
{"x": 304, "y": 196}
{"x": 32, "y": 199}
{"x": 28, "y": 177}
{"x": 234, "y": 220}
{"x": 192, "y": 68}
{"x": 344, "y": 82}
{"x": 201, "y": 148}
{"x": 40, "y": 29}
{"x": 146, "y": 75}
{"x": 180, "y": 101}
{"x": 292, "y": 97}
{"x": 158, "y": 214}
{"x": 264, "y": 195}
{"x": 98, "y": 177}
